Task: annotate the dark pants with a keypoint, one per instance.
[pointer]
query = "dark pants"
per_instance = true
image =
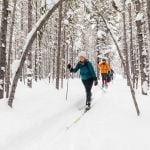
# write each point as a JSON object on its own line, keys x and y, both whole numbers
{"x": 88, "y": 86}
{"x": 104, "y": 78}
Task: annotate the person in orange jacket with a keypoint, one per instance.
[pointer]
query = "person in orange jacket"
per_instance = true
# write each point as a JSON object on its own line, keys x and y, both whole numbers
{"x": 104, "y": 68}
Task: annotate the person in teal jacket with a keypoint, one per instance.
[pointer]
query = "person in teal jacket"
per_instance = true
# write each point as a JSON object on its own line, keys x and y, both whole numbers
{"x": 88, "y": 75}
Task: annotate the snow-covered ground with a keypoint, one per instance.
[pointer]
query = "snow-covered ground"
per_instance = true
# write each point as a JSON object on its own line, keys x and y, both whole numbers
{"x": 41, "y": 115}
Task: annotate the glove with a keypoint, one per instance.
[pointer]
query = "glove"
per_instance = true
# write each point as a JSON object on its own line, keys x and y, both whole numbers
{"x": 95, "y": 82}
{"x": 69, "y": 66}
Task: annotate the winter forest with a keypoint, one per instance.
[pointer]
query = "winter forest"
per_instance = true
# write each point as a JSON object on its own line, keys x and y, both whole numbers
{"x": 40, "y": 98}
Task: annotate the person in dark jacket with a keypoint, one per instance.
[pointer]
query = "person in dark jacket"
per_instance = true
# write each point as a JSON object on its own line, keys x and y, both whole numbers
{"x": 110, "y": 75}
{"x": 88, "y": 75}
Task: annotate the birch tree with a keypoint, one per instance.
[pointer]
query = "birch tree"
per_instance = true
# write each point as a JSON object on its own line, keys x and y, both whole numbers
{"x": 59, "y": 47}
{"x": 29, "y": 60}
{"x": 10, "y": 49}
{"x": 142, "y": 52}
{"x": 3, "y": 34}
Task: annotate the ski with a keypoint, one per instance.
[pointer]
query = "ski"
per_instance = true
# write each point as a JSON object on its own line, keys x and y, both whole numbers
{"x": 102, "y": 88}
{"x": 76, "y": 120}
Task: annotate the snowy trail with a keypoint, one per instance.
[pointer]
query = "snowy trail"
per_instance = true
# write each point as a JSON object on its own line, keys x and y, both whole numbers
{"x": 38, "y": 130}
{"x": 50, "y": 129}
{"x": 54, "y": 124}
{"x": 105, "y": 128}
{"x": 111, "y": 123}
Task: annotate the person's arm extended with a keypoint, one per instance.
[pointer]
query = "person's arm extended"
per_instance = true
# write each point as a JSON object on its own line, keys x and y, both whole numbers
{"x": 74, "y": 70}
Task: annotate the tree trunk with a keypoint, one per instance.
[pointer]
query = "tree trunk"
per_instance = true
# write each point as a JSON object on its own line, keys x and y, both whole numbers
{"x": 10, "y": 50}
{"x": 22, "y": 75}
{"x": 49, "y": 64}
{"x": 67, "y": 60}
{"x": 3, "y": 33}
{"x": 97, "y": 49}
{"x": 59, "y": 47}
{"x": 54, "y": 64}
{"x": 40, "y": 55}
{"x": 29, "y": 59}
{"x": 125, "y": 46}
{"x": 35, "y": 61}
{"x": 72, "y": 46}
{"x": 30, "y": 38}
{"x": 132, "y": 59}
{"x": 146, "y": 41}
{"x": 142, "y": 52}
{"x": 148, "y": 14}
{"x": 63, "y": 58}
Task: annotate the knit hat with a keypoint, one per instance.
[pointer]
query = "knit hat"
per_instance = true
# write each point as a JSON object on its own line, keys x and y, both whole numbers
{"x": 103, "y": 59}
{"x": 82, "y": 53}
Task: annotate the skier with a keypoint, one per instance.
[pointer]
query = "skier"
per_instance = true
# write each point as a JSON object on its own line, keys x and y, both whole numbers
{"x": 88, "y": 75}
{"x": 104, "y": 68}
{"x": 111, "y": 74}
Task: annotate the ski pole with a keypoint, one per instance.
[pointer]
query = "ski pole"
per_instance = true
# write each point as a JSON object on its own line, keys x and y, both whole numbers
{"x": 67, "y": 89}
{"x": 67, "y": 86}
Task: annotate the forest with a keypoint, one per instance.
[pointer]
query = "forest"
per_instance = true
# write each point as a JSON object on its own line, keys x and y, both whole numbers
{"x": 45, "y": 104}
{"x": 39, "y": 38}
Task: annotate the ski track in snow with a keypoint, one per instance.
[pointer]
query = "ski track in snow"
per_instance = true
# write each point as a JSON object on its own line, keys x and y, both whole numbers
{"x": 110, "y": 124}
{"x": 35, "y": 133}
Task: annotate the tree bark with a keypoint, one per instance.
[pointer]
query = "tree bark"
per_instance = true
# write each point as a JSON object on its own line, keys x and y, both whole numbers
{"x": 10, "y": 50}
{"x": 132, "y": 59}
{"x": 142, "y": 52}
{"x": 3, "y": 34}
{"x": 125, "y": 46}
{"x": 148, "y": 14}
{"x": 63, "y": 57}
{"x": 35, "y": 61}
{"x": 97, "y": 48}
{"x": 29, "y": 57}
{"x": 40, "y": 34}
{"x": 59, "y": 47}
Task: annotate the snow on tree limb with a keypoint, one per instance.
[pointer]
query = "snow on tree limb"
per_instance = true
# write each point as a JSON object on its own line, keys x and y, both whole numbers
{"x": 29, "y": 40}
